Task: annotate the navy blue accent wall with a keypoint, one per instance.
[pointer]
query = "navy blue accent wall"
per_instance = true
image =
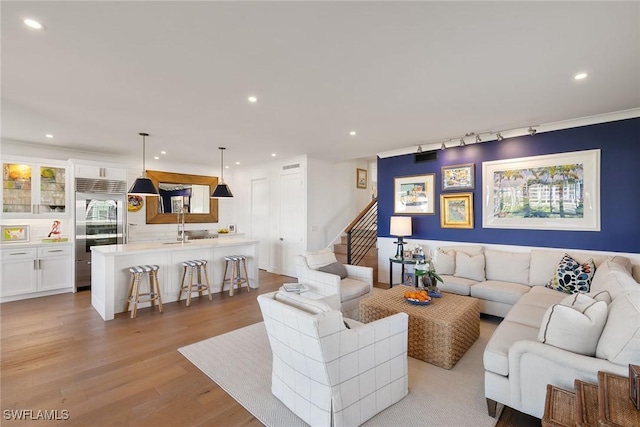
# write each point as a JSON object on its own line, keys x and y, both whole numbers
{"x": 619, "y": 143}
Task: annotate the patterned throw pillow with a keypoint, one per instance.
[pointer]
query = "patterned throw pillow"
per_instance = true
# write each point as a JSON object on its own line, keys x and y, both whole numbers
{"x": 572, "y": 277}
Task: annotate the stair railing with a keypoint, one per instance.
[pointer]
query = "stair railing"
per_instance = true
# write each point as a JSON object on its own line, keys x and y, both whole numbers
{"x": 362, "y": 233}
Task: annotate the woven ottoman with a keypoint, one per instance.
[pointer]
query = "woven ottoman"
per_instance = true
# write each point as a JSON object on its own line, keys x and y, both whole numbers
{"x": 439, "y": 333}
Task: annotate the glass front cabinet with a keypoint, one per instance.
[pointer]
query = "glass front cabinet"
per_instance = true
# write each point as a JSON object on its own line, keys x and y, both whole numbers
{"x": 30, "y": 188}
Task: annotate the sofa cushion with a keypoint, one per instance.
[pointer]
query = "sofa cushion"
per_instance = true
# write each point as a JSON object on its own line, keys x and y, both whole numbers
{"x": 600, "y": 296}
{"x": 620, "y": 339}
{"x": 574, "y": 325}
{"x": 470, "y": 266}
{"x": 543, "y": 266}
{"x": 456, "y": 285}
{"x": 614, "y": 276}
{"x": 572, "y": 276}
{"x": 300, "y": 302}
{"x": 540, "y": 296}
{"x": 469, "y": 250}
{"x": 496, "y": 353}
{"x": 504, "y": 292}
{"x": 335, "y": 268}
{"x": 444, "y": 261}
{"x": 507, "y": 266}
{"x": 317, "y": 259}
{"x": 352, "y": 288}
{"x": 525, "y": 314}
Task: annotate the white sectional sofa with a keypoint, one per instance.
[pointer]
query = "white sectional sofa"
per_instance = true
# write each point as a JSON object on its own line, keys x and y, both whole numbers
{"x": 547, "y": 336}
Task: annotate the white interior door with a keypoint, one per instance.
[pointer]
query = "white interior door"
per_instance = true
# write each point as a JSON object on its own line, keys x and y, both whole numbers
{"x": 292, "y": 221}
{"x": 260, "y": 220}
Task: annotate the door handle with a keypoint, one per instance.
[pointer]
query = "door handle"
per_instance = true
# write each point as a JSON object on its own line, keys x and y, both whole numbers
{"x": 18, "y": 253}
{"x": 281, "y": 239}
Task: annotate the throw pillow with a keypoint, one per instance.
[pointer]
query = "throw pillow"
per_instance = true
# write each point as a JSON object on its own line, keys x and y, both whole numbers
{"x": 620, "y": 340}
{"x": 335, "y": 268}
{"x": 444, "y": 261}
{"x": 571, "y": 276}
{"x": 470, "y": 267}
{"x": 574, "y": 328}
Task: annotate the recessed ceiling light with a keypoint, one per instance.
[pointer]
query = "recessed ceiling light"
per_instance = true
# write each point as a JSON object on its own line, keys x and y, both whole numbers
{"x": 252, "y": 99}
{"x": 32, "y": 23}
{"x": 273, "y": 154}
{"x": 580, "y": 76}
{"x": 49, "y": 135}
{"x": 163, "y": 152}
{"x": 156, "y": 157}
{"x": 226, "y": 167}
{"x": 237, "y": 163}
{"x": 352, "y": 133}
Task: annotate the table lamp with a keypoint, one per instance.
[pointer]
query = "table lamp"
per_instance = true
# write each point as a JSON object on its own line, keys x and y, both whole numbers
{"x": 400, "y": 227}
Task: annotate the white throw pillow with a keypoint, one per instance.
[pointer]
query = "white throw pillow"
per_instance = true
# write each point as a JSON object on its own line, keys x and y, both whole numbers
{"x": 317, "y": 259}
{"x": 507, "y": 266}
{"x": 470, "y": 267}
{"x": 444, "y": 261}
{"x": 543, "y": 266}
{"x": 576, "y": 327}
{"x": 600, "y": 296}
{"x": 620, "y": 340}
{"x": 614, "y": 275}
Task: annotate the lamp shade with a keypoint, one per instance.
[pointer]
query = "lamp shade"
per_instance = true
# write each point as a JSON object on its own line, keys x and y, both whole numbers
{"x": 221, "y": 190}
{"x": 143, "y": 187}
{"x": 400, "y": 226}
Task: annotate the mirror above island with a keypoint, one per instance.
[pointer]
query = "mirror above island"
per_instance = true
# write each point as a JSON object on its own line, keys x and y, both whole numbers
{"x": 182, "y": 191}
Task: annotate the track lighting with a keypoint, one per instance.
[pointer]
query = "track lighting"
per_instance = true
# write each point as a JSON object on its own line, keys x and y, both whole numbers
{"x": 478, "y": 139}
{"x": 419, "y": 149}
{"x": 499, "y": 137}
{"x": 462, "y": 143}
{"x": 442, "y": 147}
{"x": 531, "y": 130}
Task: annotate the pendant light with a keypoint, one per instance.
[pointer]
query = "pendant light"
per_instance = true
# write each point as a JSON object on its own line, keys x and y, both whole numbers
{"x": 222, "y": 189}
{"x": 143, "y": 186}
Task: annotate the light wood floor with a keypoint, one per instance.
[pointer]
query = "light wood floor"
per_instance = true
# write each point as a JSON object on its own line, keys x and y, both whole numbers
{"x": 58, "y": 354}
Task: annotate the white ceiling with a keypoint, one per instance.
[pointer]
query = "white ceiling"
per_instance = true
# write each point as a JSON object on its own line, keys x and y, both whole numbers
{"x": 399, "y": 73}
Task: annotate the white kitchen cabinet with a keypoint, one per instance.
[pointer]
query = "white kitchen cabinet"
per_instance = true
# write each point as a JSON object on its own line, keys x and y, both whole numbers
{"x": 31, "y": 271}
{"x": 34, "y": 188}
{"x": 94, "y": 170}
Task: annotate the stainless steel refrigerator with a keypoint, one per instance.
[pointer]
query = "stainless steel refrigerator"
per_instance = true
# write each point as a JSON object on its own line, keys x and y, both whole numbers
{"x": 100, "y": 217}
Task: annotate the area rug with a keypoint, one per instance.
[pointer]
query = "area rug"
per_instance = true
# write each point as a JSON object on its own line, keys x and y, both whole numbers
{"x": 240, "y": 363}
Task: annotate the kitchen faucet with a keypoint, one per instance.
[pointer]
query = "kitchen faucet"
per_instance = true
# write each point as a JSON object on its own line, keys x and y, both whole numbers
{"x": 181, "y": 221}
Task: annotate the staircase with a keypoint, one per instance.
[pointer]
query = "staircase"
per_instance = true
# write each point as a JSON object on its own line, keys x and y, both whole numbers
{"x": 358, "y": 245}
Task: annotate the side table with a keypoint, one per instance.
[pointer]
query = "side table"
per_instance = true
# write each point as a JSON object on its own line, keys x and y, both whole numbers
{"x": 401, "y": 261}
{"x": 559, "y": 408}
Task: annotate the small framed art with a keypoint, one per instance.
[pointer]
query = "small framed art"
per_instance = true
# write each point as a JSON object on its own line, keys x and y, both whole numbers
{"x": 414, "y": 194}
{"x": 458, "y": 177}
{"x": 15, "y": 233}
{"x": 232, "y": 228}
{"x": 456, "y": 210}
{"x": 361, "y": 178}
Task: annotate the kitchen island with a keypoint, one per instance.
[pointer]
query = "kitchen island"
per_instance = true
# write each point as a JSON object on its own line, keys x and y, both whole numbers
{"x": 110, "y": 277}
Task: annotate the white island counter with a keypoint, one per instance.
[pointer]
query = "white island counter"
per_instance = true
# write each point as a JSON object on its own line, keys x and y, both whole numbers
{"x": 110, "y": 277}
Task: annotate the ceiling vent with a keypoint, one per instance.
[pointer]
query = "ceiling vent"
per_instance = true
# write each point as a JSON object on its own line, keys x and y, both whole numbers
{"x": 294, "y": 166}
{"x": 426, "y": 156}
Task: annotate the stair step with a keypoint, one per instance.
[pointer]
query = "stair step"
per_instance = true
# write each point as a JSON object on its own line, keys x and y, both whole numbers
{"x": 342, "y": 249}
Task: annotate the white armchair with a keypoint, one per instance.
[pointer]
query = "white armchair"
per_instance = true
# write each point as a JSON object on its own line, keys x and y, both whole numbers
{"x": 357, "y": 284}
{"x": 327, "y": 374}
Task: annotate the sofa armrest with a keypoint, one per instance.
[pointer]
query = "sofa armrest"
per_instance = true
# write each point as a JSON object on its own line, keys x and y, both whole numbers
{"x": 533, "y": 365}
{"x": 359, "y": 272}
{"x": 318, "y": 281}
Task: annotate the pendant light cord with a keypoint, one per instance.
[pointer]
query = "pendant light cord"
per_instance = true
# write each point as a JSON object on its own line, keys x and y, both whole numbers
{"x": 144, "y": 167}
{"x": 221, "y": 164}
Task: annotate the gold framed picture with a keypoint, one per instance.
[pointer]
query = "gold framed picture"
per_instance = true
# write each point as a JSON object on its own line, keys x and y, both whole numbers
{"x": 361, "y": 178}
{"x": 456, "y": 210}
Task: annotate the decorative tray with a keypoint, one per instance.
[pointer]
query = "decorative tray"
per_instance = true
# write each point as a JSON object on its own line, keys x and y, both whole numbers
{"x": 417, "y": 302}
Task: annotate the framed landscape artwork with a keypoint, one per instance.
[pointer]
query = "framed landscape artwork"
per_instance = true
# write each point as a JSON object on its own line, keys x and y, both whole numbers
{"x": 550, "y": 192}
{"x": 456, "y": 210}
{"x": 458, "y": 177}
{"x": 414, "y": 194}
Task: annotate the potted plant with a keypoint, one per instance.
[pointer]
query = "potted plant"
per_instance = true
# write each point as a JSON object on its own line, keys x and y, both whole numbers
{"x": 427, "y": 276}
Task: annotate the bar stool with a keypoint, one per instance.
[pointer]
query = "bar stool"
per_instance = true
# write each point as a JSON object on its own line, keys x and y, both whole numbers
{"x": 198, "y": 268}
{"x": 135, "y": 296}
{"x": 235, "y": 278}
